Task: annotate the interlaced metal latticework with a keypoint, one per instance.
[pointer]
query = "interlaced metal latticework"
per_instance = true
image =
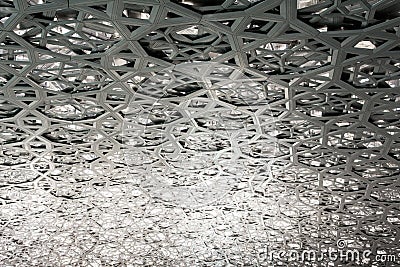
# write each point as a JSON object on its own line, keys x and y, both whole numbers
{"x": 197, "y": 132}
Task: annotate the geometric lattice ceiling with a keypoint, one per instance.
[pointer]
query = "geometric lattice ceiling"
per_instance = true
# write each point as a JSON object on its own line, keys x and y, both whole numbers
{"x": 198, "y": 132}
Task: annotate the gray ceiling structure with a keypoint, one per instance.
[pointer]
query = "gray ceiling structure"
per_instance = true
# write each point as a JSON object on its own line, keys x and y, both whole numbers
{"x": 197, "y": 133}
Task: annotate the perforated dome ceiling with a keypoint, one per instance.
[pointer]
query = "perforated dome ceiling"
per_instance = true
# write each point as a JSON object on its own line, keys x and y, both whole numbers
{"x": 198, "y": 133}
